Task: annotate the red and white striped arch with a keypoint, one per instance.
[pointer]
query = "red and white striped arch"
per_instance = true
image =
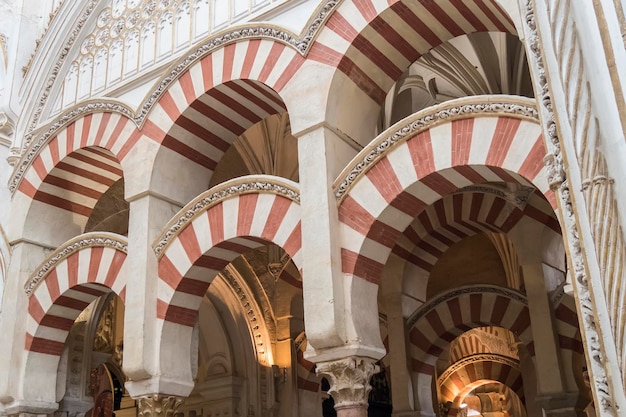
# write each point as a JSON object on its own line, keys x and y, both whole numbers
{"x": 457, "y": 216}
{"x": 512, "y": 399}
{"x": 221, "y": 96}
{"x": 373, "y": 41}
{"x": 435, "y": 325}
{"x": 94, "y": 268}
{"x": 80, "y": 162}
{"x": 475, "y": 369}
{"x": 216, "y": 236}
{"x": 412, "y": 174}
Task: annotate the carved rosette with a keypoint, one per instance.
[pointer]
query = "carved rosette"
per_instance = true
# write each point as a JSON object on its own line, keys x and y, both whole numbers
{"x": 156, "y": 405}
{"x": 349, "y": 380}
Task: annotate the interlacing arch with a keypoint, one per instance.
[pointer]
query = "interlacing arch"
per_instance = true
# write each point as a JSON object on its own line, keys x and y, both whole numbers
{"x": 427, "y": 156}
{"x": 433, "y": 326}
{"x": 460, "y": 215}
{"x": 242, "y": 80}
{"x": 436, "y": 324}
{"x": 72, "y": 277}
{"x": 79, "y": 271}
{"x": 230, "y": 88}
{"x": 67, "y": 171}
{"x": 491, "y": 367}
{"x": 112, "y": 132}
{"x": 215, "y": 228}
{"x": 372, "y": 42}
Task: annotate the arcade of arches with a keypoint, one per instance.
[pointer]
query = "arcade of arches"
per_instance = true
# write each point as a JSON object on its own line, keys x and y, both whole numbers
{"x": 312, "y": 208}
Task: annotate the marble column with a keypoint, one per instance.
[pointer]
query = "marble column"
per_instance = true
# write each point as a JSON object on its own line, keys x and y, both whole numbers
{"x": 156, "y": 405}
{"x": 349, "y": 384}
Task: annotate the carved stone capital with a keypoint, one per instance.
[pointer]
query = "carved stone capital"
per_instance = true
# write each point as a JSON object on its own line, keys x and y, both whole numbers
{"x": 156, "y": 405}
{"x": 349, "y": 380}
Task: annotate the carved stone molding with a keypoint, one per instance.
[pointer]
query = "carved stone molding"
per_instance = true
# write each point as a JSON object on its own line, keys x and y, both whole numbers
{"x": 349, "y": 380}
{"x": 558, "y": 181}
{"x": 252, "y": 311}
{"x": 427, "y": 119}
{"x": 217, "y": 194}
{"x": 156, "y": 405}
{"x": 88, "y": 240}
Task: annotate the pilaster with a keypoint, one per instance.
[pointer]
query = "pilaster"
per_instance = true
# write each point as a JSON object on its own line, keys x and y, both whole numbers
{"x": 391, "y": 290}
{"x": 349, "y": 384}
{"x": 565, "y": 180}
{"x": 547, "y": 359}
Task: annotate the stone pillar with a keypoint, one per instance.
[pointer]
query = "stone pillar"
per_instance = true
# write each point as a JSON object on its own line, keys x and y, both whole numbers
{"x": 349, "y": 384}
{"x": 323, "y": 291}
{"x": 143, "y": 364}
{"x": 336, "y": 325}
{"x": 391, "y": 290}
{"x": 547, "y": 359}
{"x": 157, "y": 405}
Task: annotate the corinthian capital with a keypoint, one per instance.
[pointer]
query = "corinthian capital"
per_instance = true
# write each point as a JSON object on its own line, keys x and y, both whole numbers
{"x": 156, "y": 405}
{"x": 349, "y": 380}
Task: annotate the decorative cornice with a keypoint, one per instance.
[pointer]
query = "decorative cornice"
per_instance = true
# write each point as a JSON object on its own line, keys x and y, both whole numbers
{"x": 300, "y": 43}
{"x": 213, "y": 43}
{"x": 481, "y": 357}
{"x": 312, "y": 29}
{"x": 55, "y": 127}
{"x": 477, "y": 106}
{"x": 481, "y": 289}
{"x": 235, "y": 187}
{"x": 84, "y": 241}
{"x": 77, "y": 26}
